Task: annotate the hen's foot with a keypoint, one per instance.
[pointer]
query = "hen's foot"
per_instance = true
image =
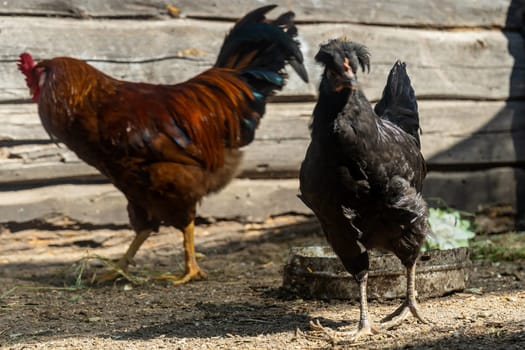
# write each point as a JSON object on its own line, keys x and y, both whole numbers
{"x": 401, "y": 313}
{"x": 336, "y": 337}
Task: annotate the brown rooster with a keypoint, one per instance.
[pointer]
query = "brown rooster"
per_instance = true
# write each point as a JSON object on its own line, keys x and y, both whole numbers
{"x": 167, "y": 146}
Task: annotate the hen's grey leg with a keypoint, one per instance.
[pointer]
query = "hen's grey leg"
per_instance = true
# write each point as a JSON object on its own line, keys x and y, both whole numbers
{"x": 410, "y": 304}
{"x": 365, "y": 326}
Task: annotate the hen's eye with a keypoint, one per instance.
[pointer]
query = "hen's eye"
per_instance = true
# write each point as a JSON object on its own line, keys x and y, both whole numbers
{"x": 330, "y": 74}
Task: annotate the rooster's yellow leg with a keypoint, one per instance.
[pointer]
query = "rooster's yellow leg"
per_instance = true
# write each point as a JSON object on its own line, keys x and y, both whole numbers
{"x": 192, "y": 268}
{"x": 126, "y": 259}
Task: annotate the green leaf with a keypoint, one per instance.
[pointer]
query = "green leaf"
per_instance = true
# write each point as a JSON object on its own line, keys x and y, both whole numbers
{"x": 449, "y": 229}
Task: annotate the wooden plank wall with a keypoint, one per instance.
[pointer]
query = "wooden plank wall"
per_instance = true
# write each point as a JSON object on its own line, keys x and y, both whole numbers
{"x": 466, "y": 60}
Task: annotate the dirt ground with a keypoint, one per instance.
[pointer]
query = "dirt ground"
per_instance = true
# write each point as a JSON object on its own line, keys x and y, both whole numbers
{"x": 239, "y": 306}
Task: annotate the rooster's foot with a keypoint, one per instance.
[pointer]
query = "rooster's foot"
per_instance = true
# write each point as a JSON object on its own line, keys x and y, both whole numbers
{"x": 108, "y": 277}
{"x": 191, "y": 274}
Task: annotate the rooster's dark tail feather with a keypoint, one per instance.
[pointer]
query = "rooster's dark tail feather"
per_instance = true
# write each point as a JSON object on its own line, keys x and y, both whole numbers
{"x": 260, "y": 49}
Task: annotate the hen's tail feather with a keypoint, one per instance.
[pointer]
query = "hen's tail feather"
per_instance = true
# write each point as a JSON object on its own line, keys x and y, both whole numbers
{"x": 398, "y": 104}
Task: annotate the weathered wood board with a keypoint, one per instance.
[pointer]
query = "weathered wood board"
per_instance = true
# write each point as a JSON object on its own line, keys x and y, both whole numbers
{"x": 252, "y": 200}
{"x": 456, "y": 135}
{"x": 86, "y": 9}
{"x": 431, "y": 13}
{"x": 476, "y": 190}
{"x": 20, "y": 122}
{"x": 466, "y": 60}
{"x": 244, "y": 199}
{"x": 172, "y": 51}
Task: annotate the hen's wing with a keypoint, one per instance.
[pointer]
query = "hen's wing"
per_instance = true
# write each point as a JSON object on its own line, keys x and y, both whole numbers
{"x": 373, "y": 150}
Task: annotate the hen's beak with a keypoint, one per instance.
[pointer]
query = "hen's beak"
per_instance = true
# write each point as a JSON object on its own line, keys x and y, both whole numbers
{"x": 351, "y": 81}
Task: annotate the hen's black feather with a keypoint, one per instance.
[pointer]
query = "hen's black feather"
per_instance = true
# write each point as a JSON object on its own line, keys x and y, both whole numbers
{"x": 333, "y": 53}
{"x": 362, "y": 174}
{"x": 366, "y": 165}
{"x": 399, "y": 104}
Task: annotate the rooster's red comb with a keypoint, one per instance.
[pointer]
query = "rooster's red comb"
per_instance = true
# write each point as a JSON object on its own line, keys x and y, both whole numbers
{"x": 26, "y": 65}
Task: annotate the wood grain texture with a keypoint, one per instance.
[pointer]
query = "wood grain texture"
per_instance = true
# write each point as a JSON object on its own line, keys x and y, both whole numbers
{"x": 290, "y": 120}
{"x": 463, "y": 66}
{"x": 253, "y": 200}
{"x": 480, "y": 64}
{"x": 475, "y": 190}
{"x": 431, "y": 13}
{"x": 243, "y": 199}
{"x": 86, "y": 9}
{"x": 456, "y": 135}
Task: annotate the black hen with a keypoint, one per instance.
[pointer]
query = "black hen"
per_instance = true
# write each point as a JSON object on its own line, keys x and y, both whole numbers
{"x": 362, "y": 174}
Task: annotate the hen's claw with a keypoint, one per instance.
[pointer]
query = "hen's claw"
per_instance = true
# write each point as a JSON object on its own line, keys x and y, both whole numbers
{"x": 401, "y": 313}
{"x": 409, "y": 305}
{"x": 347, "y": 336}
